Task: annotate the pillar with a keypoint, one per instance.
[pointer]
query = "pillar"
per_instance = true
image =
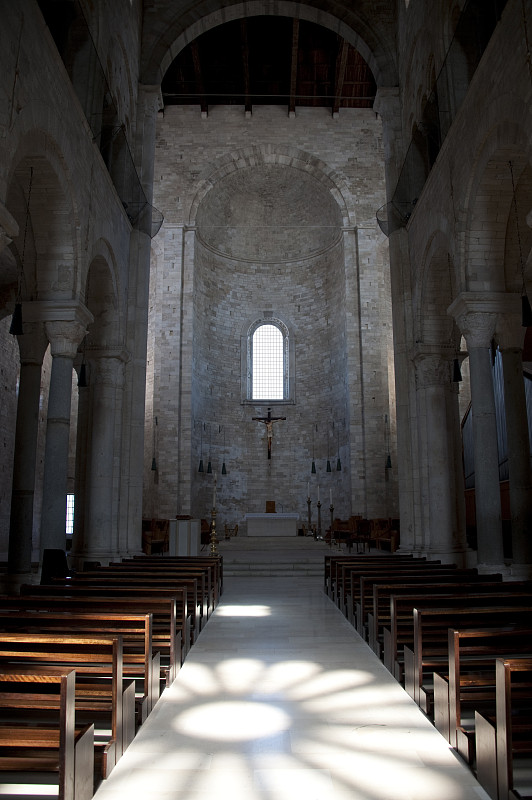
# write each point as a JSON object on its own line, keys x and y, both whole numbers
{"x": 100, "y": 530}
{"x": 445, "y": 540}
{"x": 132, "y": 460}
{"x": 388, "y": 105}
{"x": 510, "y": 334}
{"x": 32, "y": 347}
{"x": 64, "y": 336}
{"x": 476, "y": 317}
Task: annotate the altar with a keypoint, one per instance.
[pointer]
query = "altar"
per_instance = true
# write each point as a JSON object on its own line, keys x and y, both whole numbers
{"x": 272, "y": 524}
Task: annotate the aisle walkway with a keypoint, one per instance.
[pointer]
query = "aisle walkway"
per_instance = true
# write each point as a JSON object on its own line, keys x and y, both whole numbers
{"x": 280, "y": 699}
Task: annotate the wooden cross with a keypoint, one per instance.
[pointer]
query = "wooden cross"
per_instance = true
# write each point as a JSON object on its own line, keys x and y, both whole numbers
{"x": 268, "y": 421}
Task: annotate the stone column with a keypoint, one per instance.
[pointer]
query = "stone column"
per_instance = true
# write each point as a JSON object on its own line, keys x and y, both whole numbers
{"x": 32, "y": 346}
{"x": 64, "y": 336}
{"x": 510, "y": 335}
{"x": 388, "y": 105}
{"x": 132, "y": 461}
{"x": 445, "y": 541}
{"x": 80, "y": 478}
{"x": 100, "y": 539}
{"x": 476, "y": 317}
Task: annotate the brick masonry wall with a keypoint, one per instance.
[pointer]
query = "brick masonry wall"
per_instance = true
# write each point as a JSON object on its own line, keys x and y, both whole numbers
{"x": 254, "y": 193}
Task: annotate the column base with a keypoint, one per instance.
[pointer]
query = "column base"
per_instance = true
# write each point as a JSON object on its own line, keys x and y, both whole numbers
{"x": 520, "y": 572}
{"x": 10, "y": 584}
{"x": 488, "y": 569}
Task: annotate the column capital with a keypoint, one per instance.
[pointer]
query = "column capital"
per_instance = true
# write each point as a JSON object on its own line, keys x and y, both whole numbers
{"x": 477, "y": 314}
{"x": 32, "y": 345}
{"x": 151, "y": 98}
{"x": 65, "y": 336}
{"x": 387, "y": 99}
{"x": 433, "y": 368}
{"x": 108, "y": 366}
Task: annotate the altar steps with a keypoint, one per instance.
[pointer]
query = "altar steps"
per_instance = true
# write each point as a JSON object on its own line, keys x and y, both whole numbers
{"x": 274, "y": 556}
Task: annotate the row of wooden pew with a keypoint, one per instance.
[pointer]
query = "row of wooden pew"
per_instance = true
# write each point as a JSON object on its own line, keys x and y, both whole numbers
{"x": 83, "y": 662}
{"x": 460, "y": 643}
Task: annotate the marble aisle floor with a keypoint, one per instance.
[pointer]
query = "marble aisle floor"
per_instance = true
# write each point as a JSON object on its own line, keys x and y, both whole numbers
{"x": 280, "y": 699}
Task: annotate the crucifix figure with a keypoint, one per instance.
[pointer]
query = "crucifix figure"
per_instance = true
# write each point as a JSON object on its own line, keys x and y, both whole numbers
{"x": 268, "y": 421}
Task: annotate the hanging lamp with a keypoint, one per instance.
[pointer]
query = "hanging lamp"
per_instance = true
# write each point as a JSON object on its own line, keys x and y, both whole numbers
{"x": 200, "y": 468}
{"x": 209, "y": 465}
{"x": 224, "y": 471}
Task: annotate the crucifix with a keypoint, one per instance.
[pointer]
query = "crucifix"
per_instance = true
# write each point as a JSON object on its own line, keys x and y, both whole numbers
{"x": 268, "y": 421}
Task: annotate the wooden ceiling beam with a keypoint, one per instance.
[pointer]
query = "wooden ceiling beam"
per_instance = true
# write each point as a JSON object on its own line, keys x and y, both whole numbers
{"x": 341, "y": 64}
{"x": 245, "y": 65}
{"x": 293, "y": 68}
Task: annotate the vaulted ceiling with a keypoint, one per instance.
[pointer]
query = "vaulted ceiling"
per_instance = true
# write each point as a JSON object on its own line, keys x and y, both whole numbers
{"x": 272, "y": 61}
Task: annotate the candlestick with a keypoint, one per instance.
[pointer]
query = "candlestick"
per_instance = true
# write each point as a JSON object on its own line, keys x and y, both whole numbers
{"x": 331, "y": 509}
{"x": 213, "y": 550}
{"x": 309, "y": 515}
{"x": 330, "y": 496}
{"x": 319, "y": 518}
{"x": 214, "y": 492}
{"x": 318, "y": 493}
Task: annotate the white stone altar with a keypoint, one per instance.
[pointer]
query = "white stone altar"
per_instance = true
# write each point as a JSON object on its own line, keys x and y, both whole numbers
{"x": 277, "y": 524}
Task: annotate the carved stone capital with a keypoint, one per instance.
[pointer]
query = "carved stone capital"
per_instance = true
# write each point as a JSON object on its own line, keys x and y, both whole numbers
{"x": 32, "y": 345}
{"x": 477, "y": 314}
{"x": 107, "y": 371}
{"x": 151, "y": 99}
{"x": 432, "y": 370}
{"x": 65, "y": 336}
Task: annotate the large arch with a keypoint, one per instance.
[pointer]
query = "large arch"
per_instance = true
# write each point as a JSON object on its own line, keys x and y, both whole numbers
{"x": 166, "y": 36}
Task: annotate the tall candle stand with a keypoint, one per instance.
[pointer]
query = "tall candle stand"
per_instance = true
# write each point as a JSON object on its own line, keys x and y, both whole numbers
{"x": 309, "y": 515}
{"x": 331, "y": 509}
{"x": 319, "y": 518}
{"x": 213, "y": 550}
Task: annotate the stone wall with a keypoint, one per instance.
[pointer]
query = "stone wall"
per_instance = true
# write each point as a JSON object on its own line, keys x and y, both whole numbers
{"x": 270, "y": 215}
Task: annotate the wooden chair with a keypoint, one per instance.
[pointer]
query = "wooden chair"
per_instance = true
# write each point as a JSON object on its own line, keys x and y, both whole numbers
{"x": 229, "y": 532}
{"x": 155, "y": 536}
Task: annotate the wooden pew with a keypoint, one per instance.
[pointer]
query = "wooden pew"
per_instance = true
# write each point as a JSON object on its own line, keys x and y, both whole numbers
{"x": 422, "y": 577}
{"x": 212, "y": 564}
{"x": 51, "y": 743}
{"x": 360, "y": 592}
{"x": 430, "y": 646}
{"x": 468, "y": 683}
{"x": 459, "y": 582}
{"x": 118, "y": 578}
{"x": 168, "y": 607}
{"x": 100, "y": 691}
{"x": 504, "y": 745}
{"x": 20, "y": 615}
{"x": 339, "y": 568}
{"x": 401, "y": 629}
